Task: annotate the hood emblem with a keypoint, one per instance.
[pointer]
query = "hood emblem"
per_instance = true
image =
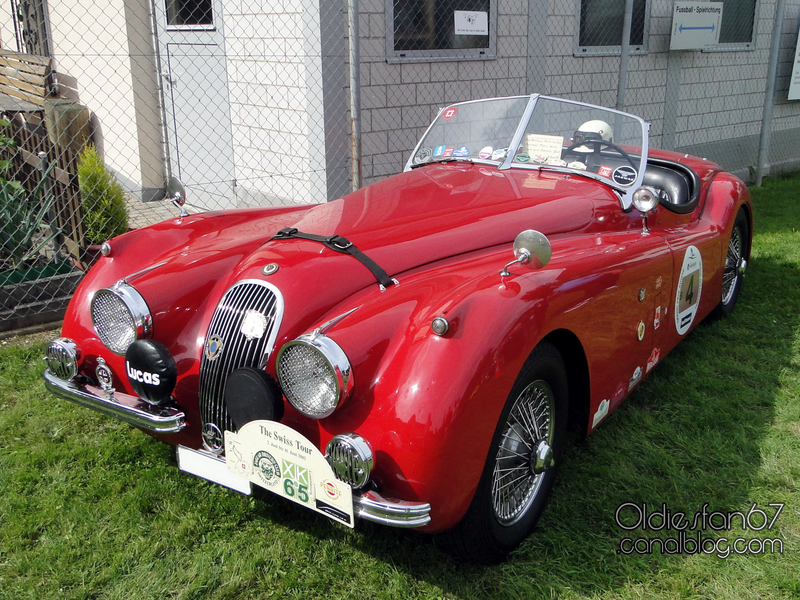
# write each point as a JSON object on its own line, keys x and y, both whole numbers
{"x": 254, "y": 324}
{"x": 214, "y": 347}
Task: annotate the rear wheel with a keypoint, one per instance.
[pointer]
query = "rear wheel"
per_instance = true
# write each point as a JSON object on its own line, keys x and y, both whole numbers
{"x": 735, "y": 264}
{"x": 521, "y": 465}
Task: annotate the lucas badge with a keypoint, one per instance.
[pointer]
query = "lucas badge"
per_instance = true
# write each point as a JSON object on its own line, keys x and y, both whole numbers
{"x": 151, "y": 371}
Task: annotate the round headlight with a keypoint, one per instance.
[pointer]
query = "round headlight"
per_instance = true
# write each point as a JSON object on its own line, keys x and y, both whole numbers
{"x": 120, "y": 317}
{"x": 314, "y": 374}
{"x": 351, "y": 458}
{"x": 62, "y": 358}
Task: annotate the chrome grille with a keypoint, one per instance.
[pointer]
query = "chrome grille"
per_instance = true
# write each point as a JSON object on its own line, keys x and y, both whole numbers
{"x": 237, "y": 350}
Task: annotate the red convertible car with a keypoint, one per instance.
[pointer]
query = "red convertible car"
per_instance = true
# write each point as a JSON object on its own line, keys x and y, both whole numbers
{"x": 411, "y": 354}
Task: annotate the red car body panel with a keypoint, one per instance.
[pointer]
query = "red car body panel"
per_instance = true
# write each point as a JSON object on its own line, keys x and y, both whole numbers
{"x": 429, "y": 405}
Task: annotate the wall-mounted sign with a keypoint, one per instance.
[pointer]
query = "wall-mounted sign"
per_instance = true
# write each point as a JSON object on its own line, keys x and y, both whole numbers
{"x": 471, "y": 22}
{"x": 794, "y": 85}
{"x": 695, "y": 25}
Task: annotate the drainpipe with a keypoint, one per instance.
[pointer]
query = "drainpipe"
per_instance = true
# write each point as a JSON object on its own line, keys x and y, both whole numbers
{"x": 769, "y": 93}
{"x": 355, "y": 94}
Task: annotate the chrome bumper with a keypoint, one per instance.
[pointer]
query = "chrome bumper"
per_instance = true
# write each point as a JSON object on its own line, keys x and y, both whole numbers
{"x": 124, "y": 407}
{"x": 371, "y": 506}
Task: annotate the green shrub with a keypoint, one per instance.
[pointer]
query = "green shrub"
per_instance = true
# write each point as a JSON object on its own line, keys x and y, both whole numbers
{"x": 105, "y": 214}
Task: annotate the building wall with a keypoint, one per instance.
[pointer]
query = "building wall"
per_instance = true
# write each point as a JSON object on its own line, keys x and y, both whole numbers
{"x": 399, "y": 101}
{"x": 93, "y": 57}
{"x": 276, "y": 54}
{"x": 702, "y": 102}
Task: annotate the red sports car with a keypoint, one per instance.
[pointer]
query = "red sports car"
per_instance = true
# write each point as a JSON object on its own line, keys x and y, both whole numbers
{"x": 412, "y": 353}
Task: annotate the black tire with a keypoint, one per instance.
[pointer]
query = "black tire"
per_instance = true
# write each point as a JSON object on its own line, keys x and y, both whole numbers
{"x": 502, "y": 515}
{"x": 733, "y": 271}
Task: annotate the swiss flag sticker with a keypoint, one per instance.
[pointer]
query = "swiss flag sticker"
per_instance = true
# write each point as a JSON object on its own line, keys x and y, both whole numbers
{"x": 449, "y": 113}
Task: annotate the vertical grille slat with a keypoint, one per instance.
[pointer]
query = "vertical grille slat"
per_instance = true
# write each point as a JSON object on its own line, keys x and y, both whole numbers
{"x": 236, "y": 351}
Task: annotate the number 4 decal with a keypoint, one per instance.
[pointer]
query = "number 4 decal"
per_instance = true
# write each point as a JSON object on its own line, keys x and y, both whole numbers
{"x": 690, "y": 286}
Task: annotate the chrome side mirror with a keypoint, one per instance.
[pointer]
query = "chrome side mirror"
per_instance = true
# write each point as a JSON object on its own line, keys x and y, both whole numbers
{"x": 645, "y": 201}
{"x": 176, "y": 194}
{"x": 532, "y": 249}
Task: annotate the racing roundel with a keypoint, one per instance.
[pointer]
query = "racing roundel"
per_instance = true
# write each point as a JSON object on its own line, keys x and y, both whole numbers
{"x": 449, "y": 113}
{"x": 690, "y": 284}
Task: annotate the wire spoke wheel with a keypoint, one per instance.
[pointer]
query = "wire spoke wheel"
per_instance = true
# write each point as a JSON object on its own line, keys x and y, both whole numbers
{"x": 730, "y": 275}
{"x": 515, "y": 481}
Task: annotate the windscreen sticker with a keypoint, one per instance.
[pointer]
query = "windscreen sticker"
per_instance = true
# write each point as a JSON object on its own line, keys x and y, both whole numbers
{"x": 624, "y": 175}
{"x": 448, "y": 151}
{"x": 485, "y": 152}
{"x": 439, "y": 150}
{"x": 424, "y": 155}
{"x": 499, "y": 154}
{"x": 461, "y": 152}
{"x": 577, "y": 165}
{"x": 449, "y": 113}
{"x": 690, "y": 285}
{"x": 604, "y": 171}
{"x": 543, "y": 147}
{"x": 522, "y": 158}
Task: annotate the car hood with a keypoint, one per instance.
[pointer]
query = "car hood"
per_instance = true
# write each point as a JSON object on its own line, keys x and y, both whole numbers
{"x": 439, "y": 211}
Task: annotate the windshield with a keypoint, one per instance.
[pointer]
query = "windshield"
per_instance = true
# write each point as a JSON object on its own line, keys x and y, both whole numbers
{"x": 480, "y": 130}
{"x": 543, "y": 133}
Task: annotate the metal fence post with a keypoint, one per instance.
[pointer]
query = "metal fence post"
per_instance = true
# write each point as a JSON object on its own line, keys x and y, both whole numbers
{"x": 625, "y": 50}
{"x": 769, "y": 92}
{"x": 355, "y": 93}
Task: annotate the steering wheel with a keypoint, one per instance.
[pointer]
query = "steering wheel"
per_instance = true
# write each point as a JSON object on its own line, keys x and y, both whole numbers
{"x": 600, "y": 144}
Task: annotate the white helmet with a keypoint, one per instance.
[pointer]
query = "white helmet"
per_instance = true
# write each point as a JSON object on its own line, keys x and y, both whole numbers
{"x": 592, "y": 130}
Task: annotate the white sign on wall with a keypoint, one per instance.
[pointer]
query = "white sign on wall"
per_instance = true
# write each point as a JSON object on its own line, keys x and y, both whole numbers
{"x": 471, "y": 22}
{"x": 695, "y": 25}
{"x": 794, "y": 85}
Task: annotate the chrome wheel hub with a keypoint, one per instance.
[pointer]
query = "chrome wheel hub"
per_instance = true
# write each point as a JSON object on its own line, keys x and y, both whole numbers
{"x": 524, "y": 454}
{"x": 735, "y": 265}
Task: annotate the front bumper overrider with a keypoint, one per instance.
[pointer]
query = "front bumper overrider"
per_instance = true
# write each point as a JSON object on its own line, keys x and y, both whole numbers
{"x": 133, "y": 410}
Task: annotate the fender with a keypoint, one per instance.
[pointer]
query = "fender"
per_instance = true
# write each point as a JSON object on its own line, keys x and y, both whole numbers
{"x": 417, "y": 390}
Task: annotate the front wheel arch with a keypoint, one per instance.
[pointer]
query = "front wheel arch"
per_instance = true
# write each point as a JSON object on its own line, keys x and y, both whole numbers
{"x": 484, "y": 535}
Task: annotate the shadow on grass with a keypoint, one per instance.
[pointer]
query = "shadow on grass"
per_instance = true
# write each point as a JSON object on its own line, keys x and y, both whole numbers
{"x": 690, "y": 435}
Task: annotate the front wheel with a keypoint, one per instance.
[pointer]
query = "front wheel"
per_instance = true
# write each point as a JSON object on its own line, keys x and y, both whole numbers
{"x": 521, "y": 465}
{"x": 735, "y": 263}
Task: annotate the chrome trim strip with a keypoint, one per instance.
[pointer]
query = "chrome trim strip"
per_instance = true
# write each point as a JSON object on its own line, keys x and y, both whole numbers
{"x": 371, "y": 506}
{"x": 133, "y": 410}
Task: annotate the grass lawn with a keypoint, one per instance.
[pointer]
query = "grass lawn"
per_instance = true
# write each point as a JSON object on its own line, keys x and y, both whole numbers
{"x": 92, "y": 508}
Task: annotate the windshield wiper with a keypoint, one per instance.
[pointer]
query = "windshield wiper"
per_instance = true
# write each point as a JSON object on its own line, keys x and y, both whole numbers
{"x": 442, "y": 160}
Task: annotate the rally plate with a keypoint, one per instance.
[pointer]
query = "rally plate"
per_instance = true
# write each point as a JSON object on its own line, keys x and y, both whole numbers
{"x": 279, "y": 459}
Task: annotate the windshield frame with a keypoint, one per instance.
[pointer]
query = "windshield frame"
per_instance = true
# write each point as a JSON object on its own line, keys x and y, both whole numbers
{"x": 625, "y": 191}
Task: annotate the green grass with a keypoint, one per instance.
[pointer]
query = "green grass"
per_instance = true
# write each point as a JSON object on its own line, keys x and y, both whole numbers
{"x": 92, "y": 508}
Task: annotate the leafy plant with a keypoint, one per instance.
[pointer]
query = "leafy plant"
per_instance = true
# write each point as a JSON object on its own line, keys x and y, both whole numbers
{"x": 102, "y": 198}
{"x": 22, "y": 219}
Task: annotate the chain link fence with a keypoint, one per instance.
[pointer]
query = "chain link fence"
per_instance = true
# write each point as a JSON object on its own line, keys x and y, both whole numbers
{"x": 252, "y": 103}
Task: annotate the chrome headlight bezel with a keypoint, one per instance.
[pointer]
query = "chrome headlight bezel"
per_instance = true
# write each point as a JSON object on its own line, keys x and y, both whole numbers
{"x": 140, "y": 323}
{"x": 339, "y": 373}
{"x": 62, "y": 358}
{"x": 352, "y": 459}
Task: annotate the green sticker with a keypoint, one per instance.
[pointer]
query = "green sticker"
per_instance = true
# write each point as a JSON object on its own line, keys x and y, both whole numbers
{"x": 523, "y": 158}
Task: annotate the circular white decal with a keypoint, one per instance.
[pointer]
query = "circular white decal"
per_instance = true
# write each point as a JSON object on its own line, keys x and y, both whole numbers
{"x": 624, "y": 175}
{"x": 424, "y": 155}
{"x": 690, "y": 284}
